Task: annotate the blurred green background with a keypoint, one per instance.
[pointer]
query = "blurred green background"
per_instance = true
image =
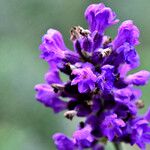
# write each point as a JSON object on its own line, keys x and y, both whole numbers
{"x": 24, "y": 123}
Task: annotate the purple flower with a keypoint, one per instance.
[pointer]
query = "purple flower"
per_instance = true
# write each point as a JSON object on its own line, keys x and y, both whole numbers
{"x": 126, "y": 59}
{"x": 140, "y": 133}
{"x": 100, "y": 17}
{"x": 85, "y": 78}
{"x": 127, "y": 32}
{"x": 52, "y": 77}
{"x": 111, "y": 126}
{"x": 127, "y": 55}
{"x": 127, "y": 94}
{"x": 87, "y": 44}
{"x": 139, "y": 78}
{"x": 83, "y": 137}
{"x": 127, "y": 97}
{"x": 106, "y": 79}
{"x": 52, "y": 46}
{"x": 49, "y": 98}
{"x": 54, "y": 49}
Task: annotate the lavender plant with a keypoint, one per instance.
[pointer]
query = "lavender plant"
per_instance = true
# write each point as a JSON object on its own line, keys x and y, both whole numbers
{"x": 98, "y": 86}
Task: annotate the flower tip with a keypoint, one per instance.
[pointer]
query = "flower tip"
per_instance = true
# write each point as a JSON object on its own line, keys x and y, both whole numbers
{"x": 36, "y": 87}
{"x": 56, "y": 136}
{"x": 129, "y": 24}
{"x": 93, "y": 7}
{"x": 100, "y": 17}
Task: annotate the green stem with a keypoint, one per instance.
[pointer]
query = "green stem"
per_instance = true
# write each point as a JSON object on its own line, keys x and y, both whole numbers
{"x": 118, "y": 146}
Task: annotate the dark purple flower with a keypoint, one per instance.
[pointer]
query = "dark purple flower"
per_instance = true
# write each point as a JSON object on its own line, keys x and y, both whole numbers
{"x": 87, "y": 44}
{"x": 83, "y": 109}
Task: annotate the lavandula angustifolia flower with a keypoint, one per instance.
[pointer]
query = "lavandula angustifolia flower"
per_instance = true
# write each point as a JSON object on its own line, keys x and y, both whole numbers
{"x": 98, "y": 87}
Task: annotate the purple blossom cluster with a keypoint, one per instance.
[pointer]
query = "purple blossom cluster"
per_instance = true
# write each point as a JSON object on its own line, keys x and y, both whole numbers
{"x": 98, "y": 87}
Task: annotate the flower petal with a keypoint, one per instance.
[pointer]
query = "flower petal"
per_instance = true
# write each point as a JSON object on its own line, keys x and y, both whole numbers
{"x": 127, "y": 32}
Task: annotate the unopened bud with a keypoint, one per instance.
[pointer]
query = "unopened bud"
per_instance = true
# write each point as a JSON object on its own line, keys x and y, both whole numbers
{"x": 70, "y": 114}
{"x": 139, "y": 104}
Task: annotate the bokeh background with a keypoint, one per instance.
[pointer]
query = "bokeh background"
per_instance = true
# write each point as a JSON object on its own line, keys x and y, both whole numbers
{"x": 24, "y": 123}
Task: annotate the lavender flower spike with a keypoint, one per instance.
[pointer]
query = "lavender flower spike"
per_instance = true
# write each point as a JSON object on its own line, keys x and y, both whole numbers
{"x": 97, "y": 86}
